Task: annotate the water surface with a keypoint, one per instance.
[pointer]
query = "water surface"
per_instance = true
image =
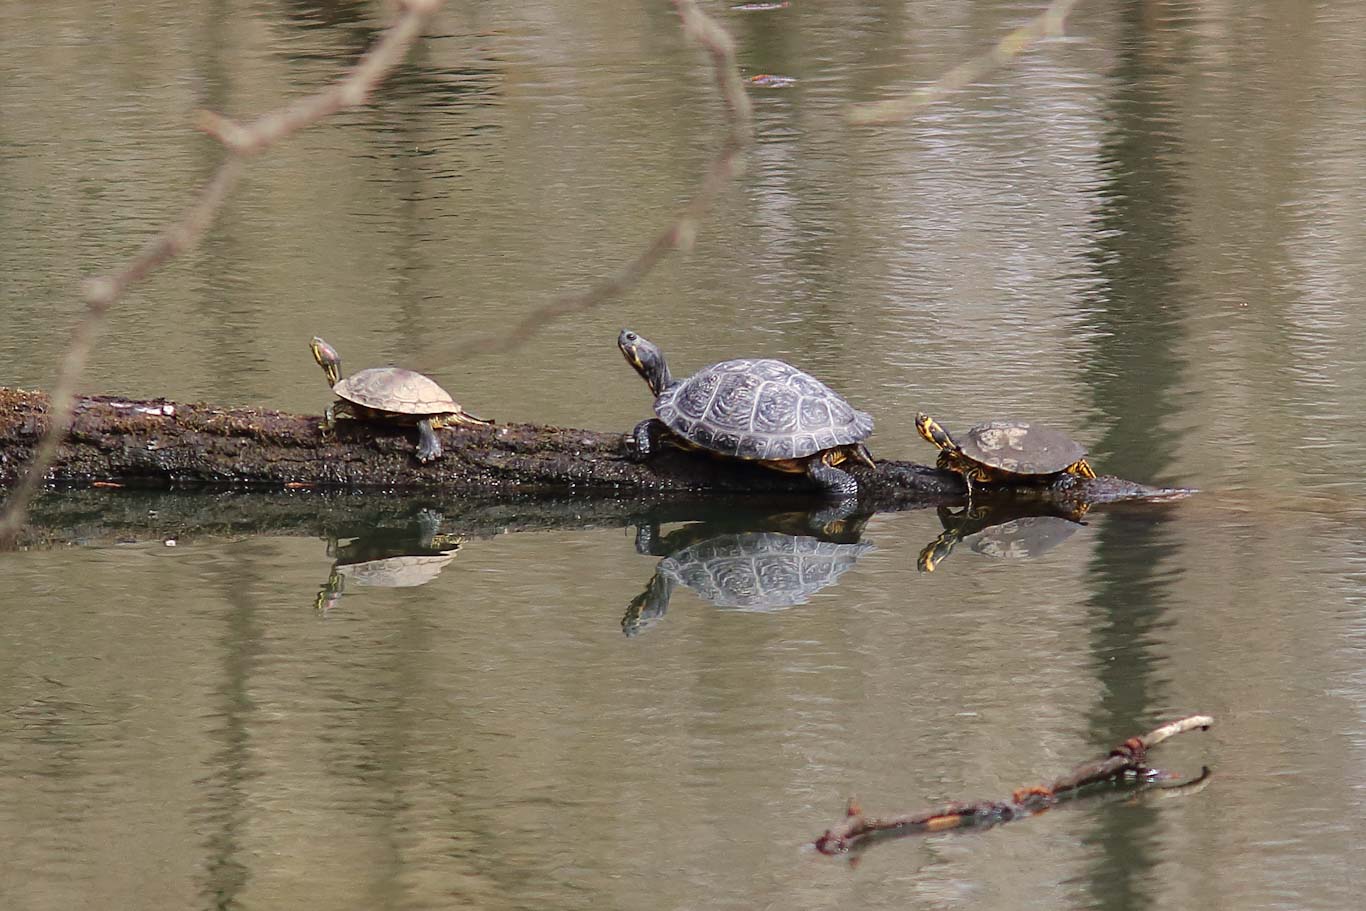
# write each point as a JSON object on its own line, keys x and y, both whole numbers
{"x": 1148, "y": 233}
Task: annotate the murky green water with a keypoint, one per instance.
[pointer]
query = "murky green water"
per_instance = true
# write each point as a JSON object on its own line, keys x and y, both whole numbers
{"x": 1149, "y": 233}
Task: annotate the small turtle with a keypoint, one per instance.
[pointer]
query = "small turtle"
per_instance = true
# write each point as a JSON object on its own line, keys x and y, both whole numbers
{"x": 762, "y": 410}
{"x": 1006, "y": 452}
{"x": 391, "y": 395}
{"x": 747, "y": 571}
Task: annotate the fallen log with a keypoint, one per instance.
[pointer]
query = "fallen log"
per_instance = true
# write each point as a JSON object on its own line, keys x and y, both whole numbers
{"x": 857, "y": 831}
{"x": 159, "y": 443}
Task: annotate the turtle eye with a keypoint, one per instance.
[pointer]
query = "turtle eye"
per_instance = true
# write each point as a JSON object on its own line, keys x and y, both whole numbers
{"x": 631, "y": 336}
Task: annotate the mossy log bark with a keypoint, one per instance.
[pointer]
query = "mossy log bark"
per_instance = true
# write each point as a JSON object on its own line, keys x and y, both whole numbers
{"x": 165, "y": 444}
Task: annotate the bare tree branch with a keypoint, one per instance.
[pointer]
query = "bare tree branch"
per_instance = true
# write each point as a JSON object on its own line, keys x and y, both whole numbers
{"x": 241, "y": 142}
{"x": 1047, "y": 24}
{"x": 856, "y": 829}
{"x": 678, "y": 233}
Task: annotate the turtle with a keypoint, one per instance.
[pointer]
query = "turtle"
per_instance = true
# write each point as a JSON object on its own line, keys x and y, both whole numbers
{"x": 758, "y": 409}
{"x": 754, "y": 571}
{"x": 391, "y": 395}
{"x": 1006, "y": 452}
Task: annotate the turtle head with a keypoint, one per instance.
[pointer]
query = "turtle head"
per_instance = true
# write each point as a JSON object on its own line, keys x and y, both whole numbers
{"x": 327, "y": 358}
{"x": 645, "y": 356}
{"x": 929, "y": 429}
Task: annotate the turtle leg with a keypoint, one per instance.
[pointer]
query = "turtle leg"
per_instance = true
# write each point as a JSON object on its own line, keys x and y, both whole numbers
{"x": 835, "y": 482}
{"x": 859, "y": 453}
{"x": 338, "y": 409}
{"x": 947, "y": 461}
{"x": 428, "y": 446}
{"x": 645, "y": 439}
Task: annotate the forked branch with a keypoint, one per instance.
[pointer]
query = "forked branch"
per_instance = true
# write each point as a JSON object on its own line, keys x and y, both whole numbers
{"x": 857, "y": 830}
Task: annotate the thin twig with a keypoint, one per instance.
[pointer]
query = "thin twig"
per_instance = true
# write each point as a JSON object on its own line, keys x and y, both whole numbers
{"x": 679, "y": 233}
{"x": 241, "y": 141}
{"x": 1047, "y": 24}
{"x": 1128, "y": 757}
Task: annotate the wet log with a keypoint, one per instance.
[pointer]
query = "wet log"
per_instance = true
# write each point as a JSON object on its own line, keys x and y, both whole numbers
{"x": 1128, "y": 759}
{"x": 158, "y": 443}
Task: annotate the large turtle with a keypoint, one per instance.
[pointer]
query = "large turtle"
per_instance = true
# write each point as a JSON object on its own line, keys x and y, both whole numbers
{"x": 392, "y": 395}
{"x": 754, "y": 571}
{"x": 1006, "y": 452}
{"x": 758, "y": 409}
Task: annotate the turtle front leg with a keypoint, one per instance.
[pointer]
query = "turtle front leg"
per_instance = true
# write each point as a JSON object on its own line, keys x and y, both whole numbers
{"x": 645, "y": 439}
{"x": 836, "y": 483}
{"x": 967, "y": 470}
{"x": 328, "y": 428}
{"x": 428, "y": 446}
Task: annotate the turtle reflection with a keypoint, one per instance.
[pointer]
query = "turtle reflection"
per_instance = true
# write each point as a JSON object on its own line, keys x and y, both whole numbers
{"x": 1006, "y": 530}
{"x": 781, "y": 561}
{"x": 388, "y": 558}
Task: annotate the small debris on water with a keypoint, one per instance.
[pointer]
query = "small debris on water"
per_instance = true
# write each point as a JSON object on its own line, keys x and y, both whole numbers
{"x": 169, "y": 542}
{"x": 760, "y": 7}
{"x": 770, "y": 81}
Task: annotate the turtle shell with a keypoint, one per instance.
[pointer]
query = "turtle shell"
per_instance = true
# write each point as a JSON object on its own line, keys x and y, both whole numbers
{"x": 396, "y": 390}
{"x": 760, "y": 409}
{"x": 760, "y": 571}
{"x": 1019, "y": 447}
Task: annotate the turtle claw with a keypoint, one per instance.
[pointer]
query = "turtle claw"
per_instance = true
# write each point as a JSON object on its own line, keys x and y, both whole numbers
{"x": 644, "y": 439}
